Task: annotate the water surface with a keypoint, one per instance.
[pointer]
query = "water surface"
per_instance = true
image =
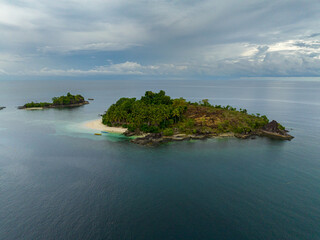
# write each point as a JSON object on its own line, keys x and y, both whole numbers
{"x": 58, "y": 181}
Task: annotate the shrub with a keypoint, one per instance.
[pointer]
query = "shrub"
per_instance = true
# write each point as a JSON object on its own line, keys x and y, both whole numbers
{"x": 149, "y": 129}
{"x": 168, "y": 132}
{"x": 189, "y": 123}
{"x": 281, "y": 127}
{"x": 131, "y": 127}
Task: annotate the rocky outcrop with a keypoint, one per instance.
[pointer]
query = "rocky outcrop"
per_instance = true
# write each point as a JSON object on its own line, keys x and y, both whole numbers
{"x": 150, "y": 139}
{"x": 243, "y": 136}
{"x": 273, "y": 126}
{"x": 153, "y": 139}
{"x": 272, "y": 130}
{"x": 131, "y": 134}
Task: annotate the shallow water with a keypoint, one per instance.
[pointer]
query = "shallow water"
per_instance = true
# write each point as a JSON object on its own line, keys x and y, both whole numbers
{"x": 59, "y": 181}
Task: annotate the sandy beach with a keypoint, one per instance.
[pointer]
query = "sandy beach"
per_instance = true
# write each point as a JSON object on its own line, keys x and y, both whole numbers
{"x": 97, "y": 125}
{"x": 34, "y": 108}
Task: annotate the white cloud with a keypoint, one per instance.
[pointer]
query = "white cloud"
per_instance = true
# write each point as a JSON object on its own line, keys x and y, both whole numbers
{"x": 19, "y": 17}
{"x": 126, "y": 68}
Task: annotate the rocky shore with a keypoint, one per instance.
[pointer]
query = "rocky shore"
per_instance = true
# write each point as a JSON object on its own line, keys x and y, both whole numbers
{"x": 153, "y": 139}
{"x": 271, "y": 130}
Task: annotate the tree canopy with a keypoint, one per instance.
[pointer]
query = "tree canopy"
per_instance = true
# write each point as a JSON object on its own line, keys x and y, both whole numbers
{"x": 58, "y": 101}
{"x": 153, "y": 112}
{"x": 67, "y": 100}
{"x": 157, "y": 112}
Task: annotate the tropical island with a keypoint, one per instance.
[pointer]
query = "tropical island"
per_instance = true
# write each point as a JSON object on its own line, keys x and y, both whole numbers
{"x": 58, "y": 102}
{"x": 157, "y": 118}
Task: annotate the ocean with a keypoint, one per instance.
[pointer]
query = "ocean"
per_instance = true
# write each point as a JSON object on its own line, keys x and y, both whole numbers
{"x": 60, "y": 181}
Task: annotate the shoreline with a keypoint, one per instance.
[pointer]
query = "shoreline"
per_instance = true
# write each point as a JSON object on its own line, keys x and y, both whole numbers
{"x": 34, "y": 108}
{"x": 99, "y": 126}
{"x": 153, "y": 139}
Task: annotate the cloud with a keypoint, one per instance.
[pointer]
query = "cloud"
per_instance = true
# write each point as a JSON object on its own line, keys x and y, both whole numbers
{"x": 187, "y": 38}
{"x": 73, "y": 26}
{"x": 19, "y": 17}
{"x": 126, "y": 68}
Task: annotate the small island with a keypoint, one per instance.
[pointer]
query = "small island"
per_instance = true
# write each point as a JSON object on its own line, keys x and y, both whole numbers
{"x": 157, "y": 118}
{"x": 57, "y": 102}
{"x": 2, "y": 108}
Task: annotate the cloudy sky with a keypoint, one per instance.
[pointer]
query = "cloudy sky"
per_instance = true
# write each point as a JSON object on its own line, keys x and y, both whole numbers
{"x": 159, "y": 38}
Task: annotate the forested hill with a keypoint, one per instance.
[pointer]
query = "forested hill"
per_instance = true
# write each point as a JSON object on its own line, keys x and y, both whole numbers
{"x": 159, "y": 113}
{"x": 62, "y": 101}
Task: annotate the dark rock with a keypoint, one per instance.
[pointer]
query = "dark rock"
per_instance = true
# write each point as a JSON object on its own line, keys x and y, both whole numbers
{"x": 272, "y": 130}
{"x": 273, "y": 126}
{"x": 242, "y": 136}
{"x": 150, "y": 139}
{"x": 128, "y": 133}
{"x": 154, "y": 135}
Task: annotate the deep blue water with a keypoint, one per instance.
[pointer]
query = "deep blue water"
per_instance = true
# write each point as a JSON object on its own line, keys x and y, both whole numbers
{"x": 58, "y": 181}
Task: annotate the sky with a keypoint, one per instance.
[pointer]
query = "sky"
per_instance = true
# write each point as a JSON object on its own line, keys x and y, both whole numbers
{"x": 88, "y": 39}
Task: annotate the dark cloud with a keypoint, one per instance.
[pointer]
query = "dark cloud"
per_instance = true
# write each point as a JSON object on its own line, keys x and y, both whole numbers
{"x": 205, "y": 37}
{"x": 313, "y": 45}
{"x": 314, "y": 35}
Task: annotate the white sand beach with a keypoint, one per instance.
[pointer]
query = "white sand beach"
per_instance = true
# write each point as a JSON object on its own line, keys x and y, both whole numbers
{"x": 99, "y": 126}
{"x": 34, "y": 108}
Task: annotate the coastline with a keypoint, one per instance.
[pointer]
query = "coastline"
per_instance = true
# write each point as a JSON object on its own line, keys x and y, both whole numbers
{"x": 99, "y": 126}
{"x": 153, "y": 139}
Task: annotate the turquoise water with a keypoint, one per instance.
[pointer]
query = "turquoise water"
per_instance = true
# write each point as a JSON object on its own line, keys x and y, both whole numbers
{"x": 59, "y": 181}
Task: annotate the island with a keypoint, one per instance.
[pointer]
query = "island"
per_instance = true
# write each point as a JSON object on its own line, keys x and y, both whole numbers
{"x": 2, "y": 108}
{"x": 67, "y": 101}
{"x": 157, "y": 118}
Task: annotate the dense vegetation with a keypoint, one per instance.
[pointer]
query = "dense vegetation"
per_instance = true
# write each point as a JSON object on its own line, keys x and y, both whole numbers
{"x": 157, "y": 112}
{"x": 67, "y": 100}
{"x": 35, "y": 104}
{"x": 58, "y": 101}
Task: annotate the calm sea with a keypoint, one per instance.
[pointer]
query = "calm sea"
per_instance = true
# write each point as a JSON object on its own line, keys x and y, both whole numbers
{"x": 59, "y": 181}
